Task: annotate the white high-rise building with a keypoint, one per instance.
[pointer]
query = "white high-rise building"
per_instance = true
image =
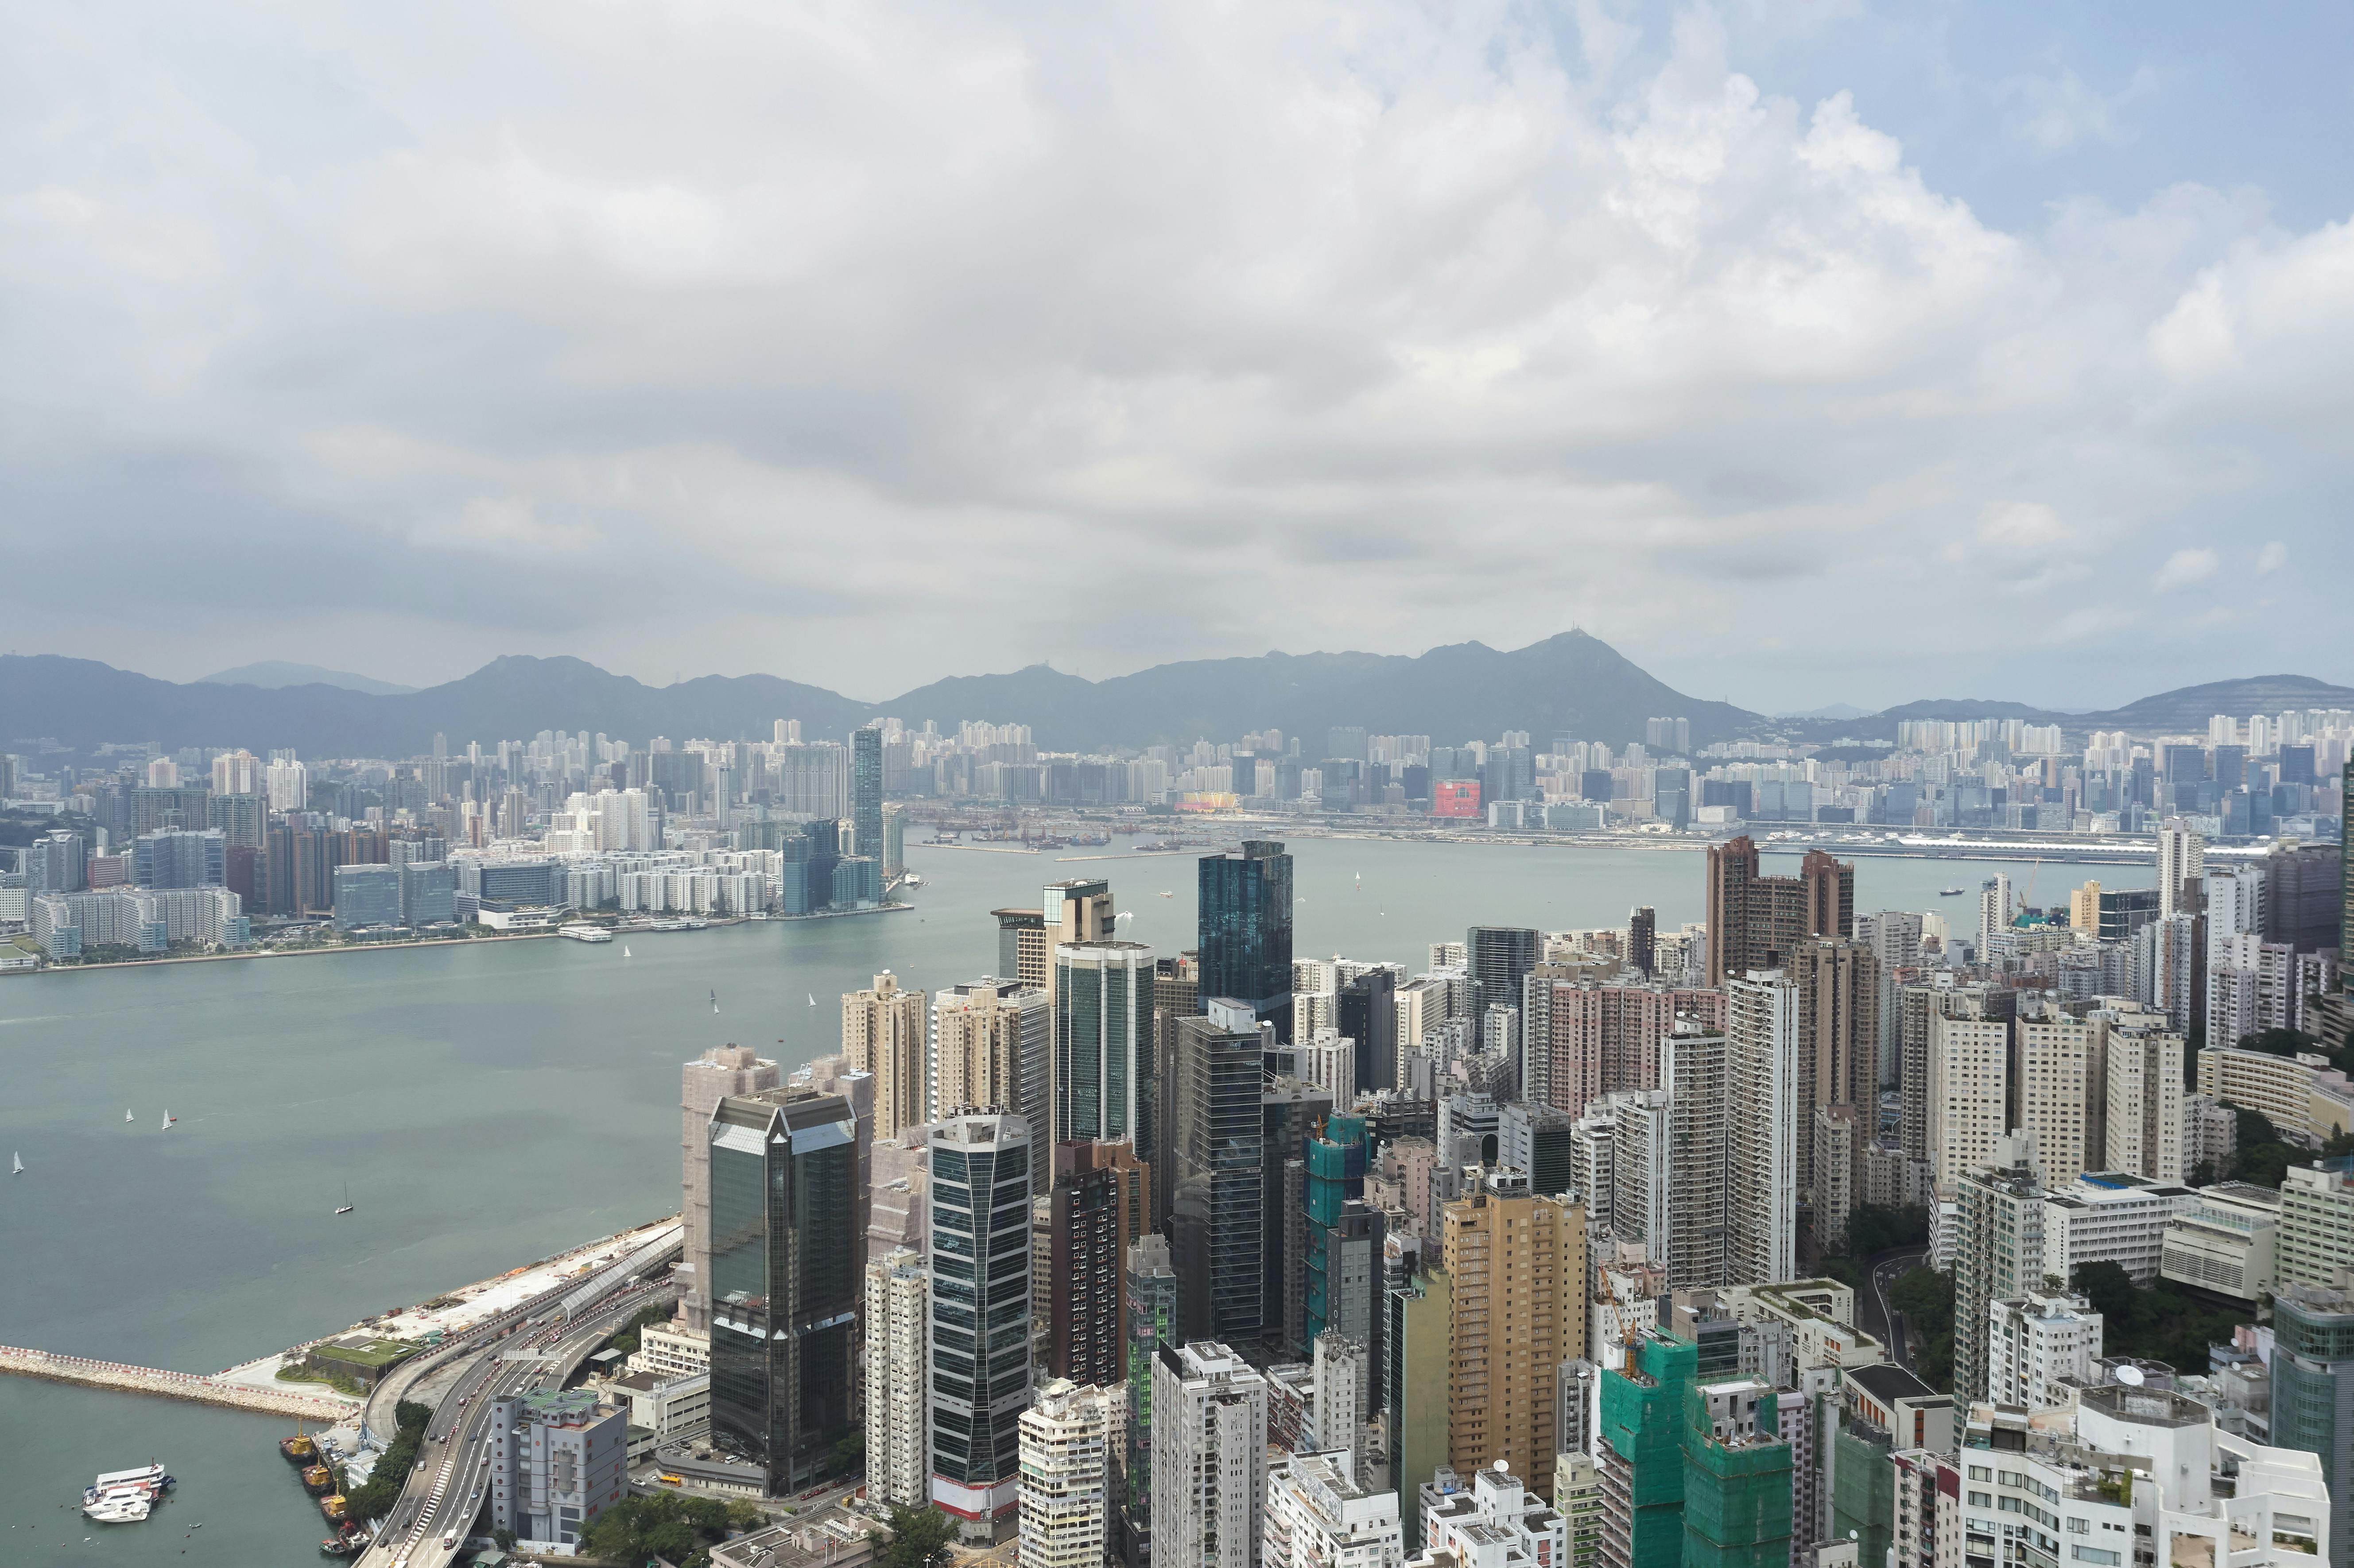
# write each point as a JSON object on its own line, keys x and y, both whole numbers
{"x": 1209, "y": 1456}
{"x": 1994, "y": 913}
{"x": 1318, "y": 1516}
{"x": 1762, "y": 1096}
{"x": 1068, "y": 1439}
{"x": 1969, "y": 1087}
{"x": 2035, "y": 1341}
{"x": 236, "y": 773}
{"x": 2142, "y": 1119}
{"x": 898, "y": 1368}
{"x": 288, "y": 784}
{"x": 1340, "y": 1376}
{"x": 1692, "y": 1066}
{"x": 2181, "y": 858}
{"x": 1497, "y": 1520}
{"x": 2057, "y": 1091}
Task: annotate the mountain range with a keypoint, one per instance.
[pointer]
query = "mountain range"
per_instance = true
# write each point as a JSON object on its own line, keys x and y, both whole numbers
{"x": 1569, "y": 684}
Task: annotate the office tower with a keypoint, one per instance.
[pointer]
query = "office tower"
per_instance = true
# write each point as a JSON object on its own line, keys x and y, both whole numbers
{"x": 1103, "y": 1071}
{"x": 1838, "y": 989}
{"x": 1365, "y": 1013}
{"x": 1022, "y": 946}
{"x": 1998, "y": 1254}
{"x": 2181, "y": 865}
{"x": 555, "y": 1462}
{"x": 180, "y": 858}
{"x": 1318, "y": 1516}
{"x": 2313, "y": 1393}
{"x": 787, "y": 1264}
{"x": 1737, "y": 1499}
{"x": 1246, "y": 930}
{"x": 1757, "y": 922}
{"x": 1149, "y": 1301}
{"x": 1694, "y": 1075}
{"x": 1518, "y": 1267}
{"x": 980, "y": 1166}
{"x": 895, "y": 840}
{"x": 1096, "y": 1208}
{"x": 2316, "y": 1240}
{"x": 992, "y": 1042}
{"x": 1642, "y": 937}
{"x": 1499, "y": 958}
{"x": 883, "y": 1032}
{"x": 2035, "y": 1341}
{"x": 1068, "y": 1469}
{"x": 866, "y": 790}
{"x": 1763, "y": 1119}
{"x": 2142, "y": 1119}
{"x": 718, "y": 1072}
{"x": 1535, "y": 1138}
{"x": 1639, "y": 1451}
{"x": 1969, "y": 1095}
{"x": 1209, "y": 1456}
{"x": 1217, "y": 1218}
{"x": 898, "y": 1363}
{"x": 2056, "y": 1092}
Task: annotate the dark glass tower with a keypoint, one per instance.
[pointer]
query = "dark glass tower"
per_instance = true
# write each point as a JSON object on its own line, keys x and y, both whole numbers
{"x": 980, "y": 1167}
{"x": 1500, "y": 956}
{"x": 866, "y": 790}
{"x": 1217, "y": 1208}
{"x": 1368, "y": 1014}
{"x": 1246, "y": 930}
{"x": 787, "y": 1257}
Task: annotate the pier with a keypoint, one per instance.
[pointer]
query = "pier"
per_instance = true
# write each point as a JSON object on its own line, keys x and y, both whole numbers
{"x": 192, "y": 1386}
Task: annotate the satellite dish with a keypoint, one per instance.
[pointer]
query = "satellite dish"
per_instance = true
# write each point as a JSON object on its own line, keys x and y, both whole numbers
{"x": 2129, "y": 1376}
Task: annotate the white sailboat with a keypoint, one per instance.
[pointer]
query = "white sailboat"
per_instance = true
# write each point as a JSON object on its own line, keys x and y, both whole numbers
{"x": 15, "y": 1163}
{"x": 127, "y": 1117}
{"x": 348, "y": 1199}
{"x": 625, "y": 950}
{"x": 715, "y": 1002}
{"x": 168, "y": 1120}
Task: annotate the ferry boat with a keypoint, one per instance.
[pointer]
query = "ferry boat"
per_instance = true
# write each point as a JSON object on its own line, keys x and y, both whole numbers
{"x": 585, "y": 933}
{"x": 151, "y": 1474}
{"x": 1949, "y": 893}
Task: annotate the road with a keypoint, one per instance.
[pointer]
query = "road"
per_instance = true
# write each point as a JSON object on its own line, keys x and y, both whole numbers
{"x": 531, "y": 1347}
{"x": 1875, "y": 1317}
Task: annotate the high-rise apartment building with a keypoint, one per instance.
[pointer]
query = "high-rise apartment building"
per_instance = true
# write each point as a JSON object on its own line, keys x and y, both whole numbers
{"x": 1021, "y": 946}
{"x": 2034, "y": 1341}
{"x": 1098, "y": 1205}
{"x": 1244, "y": 915}
{"x": 787, "y": 1265}
{"x": 2141, "y": 1113}
{"x": 2056, "y": 1091}
{"x": 1103, "y": 1082}
{"x": 1217, "y": 1221}
{"x": 2316, "y": 1239}
{"x": 1318, "y": 1516}
{"x": 980, "y": 1165}
{"x": 2181, "y": 865}
{"x": 1837, "y": 986}
{"x": 1999, "y": 1255}
{"x": 1969, "y": 1094}
{"x": 1757, "y": 922}
{"x": 898, "y": 1367}
{"x": 1694, "y": 1076}
{"x": 883, "y": 1032}
{"x": 1763, "y": 1121}
{"x": 236, "y": 773}
{"x": 1738, "y": 1470}
{"x": 991, "y": 1050}
{"x": 1069, "y": 1448}
{"x": 1209, "y": 1458}
{"x": 1422, "y": 1315}
{"x": 722, "y": 1071}
{"x": 1518, "y": 1267}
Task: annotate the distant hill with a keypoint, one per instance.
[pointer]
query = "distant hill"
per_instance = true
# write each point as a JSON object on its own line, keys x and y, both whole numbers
{"x": 271, "y": 675}
{"x": 2184, "y": 710}
{"x": 1572, "y": 684}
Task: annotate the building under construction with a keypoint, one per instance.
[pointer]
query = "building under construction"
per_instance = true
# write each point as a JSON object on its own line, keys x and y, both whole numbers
{"x": 1691, "y": 1472}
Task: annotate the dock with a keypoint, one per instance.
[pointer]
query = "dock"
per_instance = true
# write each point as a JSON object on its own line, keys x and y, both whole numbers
{"x": 191, "y": 1386}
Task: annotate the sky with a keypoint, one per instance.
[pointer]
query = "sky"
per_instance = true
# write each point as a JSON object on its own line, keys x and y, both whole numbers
{"x": 1810, "y": 351}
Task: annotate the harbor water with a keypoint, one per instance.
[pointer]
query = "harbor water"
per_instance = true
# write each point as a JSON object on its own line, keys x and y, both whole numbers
{"x": 494, "y": 1103}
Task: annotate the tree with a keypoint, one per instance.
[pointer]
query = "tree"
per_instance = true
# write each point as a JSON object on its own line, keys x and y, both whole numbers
{"x": 745, "y": 1514}
{"x": 1926, "y": 1298}
{"x": 920, "y": 1539}
{"x": 505, "y": 1538}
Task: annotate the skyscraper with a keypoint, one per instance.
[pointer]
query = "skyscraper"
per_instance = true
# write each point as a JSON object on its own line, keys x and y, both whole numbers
{"x": 2056, "y": 1092}
{"x": 992, "y": 1042}
{"x": 1838, "y": 988}
{"x": 722, "y": 1071}
{"x": 1069, "y": 1462}
{"x": 2181, "y": 863}
{"x": 1757, "y": 922}
{"x": 1499, "y": 958}
{"x": 1150, "y": 1303}
{"x": 1764, "y": 1115}
{"x": 981, "y": 1314}
{"x": 898, "y": 1368}
{"x": 883, "y": 1033}
{"x": 1518, "y": 1264}
{"x": 1209, "y": 1458}
{"x": 1021, "y": 946}
{"x": 1693, "y": 1073}
{"x": 1969, "y": 1094}
{"x": 1245, "y": 912}
{"x": 1103, "y": 1069}
{"x": 1217, "y": 1203}
{"x": 866, "y": 792}
{"x": 1098, "y": 1206}
{"x": 788, "y": 1261}
{"x": 1642, "y": 937}
{"x": 2313, "y": 1392}
{"x": 1367, "y": 1014}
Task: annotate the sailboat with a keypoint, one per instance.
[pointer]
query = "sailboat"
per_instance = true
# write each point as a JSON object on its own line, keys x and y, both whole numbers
{"x": 625, "y": 950}
{"x": 168, "y": 1120}
{"x": 812, "y": 999}
{"x": 15, "y": 1163}
{"x": 715, "y": 1002}
{"x": 127, "y": 1117}
{"x": 348, "y": 1199}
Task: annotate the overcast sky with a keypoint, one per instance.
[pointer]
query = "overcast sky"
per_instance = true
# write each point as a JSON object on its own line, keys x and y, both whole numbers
{"x": 1807, "y": 352}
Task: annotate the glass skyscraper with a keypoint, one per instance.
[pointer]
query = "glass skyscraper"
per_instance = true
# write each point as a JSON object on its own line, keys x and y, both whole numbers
{"x": 866, "y": 790}
{"x": 980, "y": 1167}
{"x": 1246, "y": 930}
{"x": 1217, "y": 1208}
{"x": 1103, "y": 1044}
{"x": 787, "y": 1257}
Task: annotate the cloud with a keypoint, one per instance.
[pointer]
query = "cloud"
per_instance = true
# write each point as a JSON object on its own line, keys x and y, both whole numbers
{"x": 2056, "y": 111}
{"x": 735, "y": 334}
{"x": 2185, "y": 568}
{"x": 2270, "y": 559}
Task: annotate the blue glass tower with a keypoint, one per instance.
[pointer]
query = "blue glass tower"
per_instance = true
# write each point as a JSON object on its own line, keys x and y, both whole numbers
{"x": 1246, "y": 930}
